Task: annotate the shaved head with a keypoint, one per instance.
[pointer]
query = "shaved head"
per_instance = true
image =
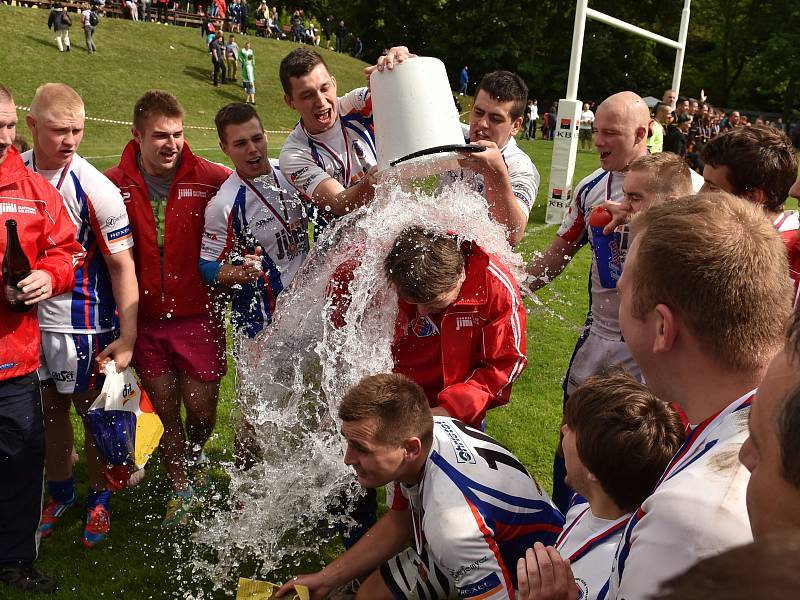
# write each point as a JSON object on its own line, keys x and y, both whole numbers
{"x": 56, "y": 100}
{"x": 621, "y": 130}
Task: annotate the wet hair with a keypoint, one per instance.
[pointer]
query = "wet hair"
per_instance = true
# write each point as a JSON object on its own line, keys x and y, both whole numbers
{"x": 5, "y": 94}
{"x": 668, "y": 173}
{"x": 155, "y": 103}
{"x": 757, "y": 157}
{"x": 423, "y": 265}
{"x": 396, "y": 403}
{"x": 505, "y": 86}
{"x": 624, "y": 435}
{"x": 234, "y": 113}
{"x": 766, "y": 568}
{"x": 734, "y": 293}
{"x": 299, "y": 62}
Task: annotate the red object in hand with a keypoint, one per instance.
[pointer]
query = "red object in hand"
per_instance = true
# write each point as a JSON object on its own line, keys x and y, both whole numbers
{"x": 599, "y": 217}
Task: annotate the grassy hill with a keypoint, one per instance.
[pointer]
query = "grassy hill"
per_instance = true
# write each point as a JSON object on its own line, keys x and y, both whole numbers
{"x": 139, "y": 560}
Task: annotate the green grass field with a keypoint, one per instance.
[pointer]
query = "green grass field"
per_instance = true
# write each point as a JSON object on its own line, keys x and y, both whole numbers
{"x": 139, "y": 560}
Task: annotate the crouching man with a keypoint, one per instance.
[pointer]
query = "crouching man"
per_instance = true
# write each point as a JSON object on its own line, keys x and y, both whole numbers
{"x": 466, "y": 505}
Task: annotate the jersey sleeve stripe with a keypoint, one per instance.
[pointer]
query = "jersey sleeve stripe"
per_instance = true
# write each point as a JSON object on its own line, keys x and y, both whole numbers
{"x": 516, "y": 326}
{"x": 488, "y": 537}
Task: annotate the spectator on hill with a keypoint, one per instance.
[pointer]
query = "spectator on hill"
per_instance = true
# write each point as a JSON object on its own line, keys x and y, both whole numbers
{"x": 551, "y": 121}
{"x": 358, "y": 50}
{"x": 146, "y": 12}
{"x": 463, "y": 80}
{"x": 217, "y": 51}
{"x": 275, "y": 28}
{"x": 47, "y": 236}
{"x": 59, "y": 21}
{"x": 161, "y": 11}
{"x": 327, "y": 31}
{"x": 232, "y": 57}
{"x": 132, "y": 9}
{"x": 235, "y": 15}
{"x": 89, "y": 20}
{"x": 262, "y": 18}
{"x": 341, "y": 36}
{"x": 180, "y": 348}
{"x": 248, "y": 60}
{"x": 244, "y": 12}
{"x": 526, "y": 120}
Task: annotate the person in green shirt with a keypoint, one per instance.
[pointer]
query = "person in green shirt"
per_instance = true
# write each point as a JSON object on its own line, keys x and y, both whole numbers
{"x": 661, "y": 115}
{"x": 248, "y": 73}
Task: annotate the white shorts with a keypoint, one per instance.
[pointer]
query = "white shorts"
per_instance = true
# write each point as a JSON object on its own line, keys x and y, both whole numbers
{"x": 411, "y": 576}
{"x": 69, "y": 360}
{"x": 594, "y": 355}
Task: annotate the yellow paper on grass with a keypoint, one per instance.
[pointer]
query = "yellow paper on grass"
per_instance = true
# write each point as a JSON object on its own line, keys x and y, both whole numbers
{"x": 253, "y": 589}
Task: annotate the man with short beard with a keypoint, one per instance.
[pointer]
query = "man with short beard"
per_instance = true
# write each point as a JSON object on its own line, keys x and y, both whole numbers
{"x": 180, "y": 348}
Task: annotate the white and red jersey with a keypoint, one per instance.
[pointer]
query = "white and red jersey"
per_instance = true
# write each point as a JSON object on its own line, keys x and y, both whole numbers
{"x": 522, "y": 174}
{"x": 697, "y": 509}
{"x": 96, "y": 207}
{"x": 590, "y": 544}
{"x": 266, "y": 212}
{"x": 345, "y": 152}
{"x": 477, "y": 510}
{"x": 788, "y": 225}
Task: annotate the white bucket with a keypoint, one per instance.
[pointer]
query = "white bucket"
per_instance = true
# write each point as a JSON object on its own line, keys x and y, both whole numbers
{"x": 414, "y": 111}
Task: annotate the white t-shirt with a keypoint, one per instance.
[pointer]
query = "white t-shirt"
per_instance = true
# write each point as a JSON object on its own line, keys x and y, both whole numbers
{"x": 264, "y": 212}
{"x": 590, "y": 543}
{"x": 476, "y": 510}
{"x": 95, "y": 205}
{"x": 696, "y": 511}
{"x": 345, "y": 152}
{"x": 534, "y": 112}
{"x": 587, "y": 119}
{"x": 521, "y": 172}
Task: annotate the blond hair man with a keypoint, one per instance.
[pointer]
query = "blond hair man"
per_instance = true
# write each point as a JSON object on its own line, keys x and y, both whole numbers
{"x": 703, "y": 299}
{"x": 96, "y": 320}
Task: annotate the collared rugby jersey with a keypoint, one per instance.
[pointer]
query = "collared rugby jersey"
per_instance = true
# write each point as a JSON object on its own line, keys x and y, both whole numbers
{"x": 97, "y": 209}
{"x": 476, "y": 510}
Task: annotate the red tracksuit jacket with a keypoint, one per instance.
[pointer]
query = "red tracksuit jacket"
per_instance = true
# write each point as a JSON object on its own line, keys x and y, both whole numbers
{"x": 47, "y": 236}
{"x": 178, "y": 291}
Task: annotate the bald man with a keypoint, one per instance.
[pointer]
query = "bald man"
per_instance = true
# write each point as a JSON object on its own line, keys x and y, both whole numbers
{"x": 620, "y": 137}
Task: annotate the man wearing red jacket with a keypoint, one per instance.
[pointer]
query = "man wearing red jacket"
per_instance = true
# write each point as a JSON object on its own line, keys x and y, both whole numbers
{"x": 47, "y": 237}
{"x": 180, "y": 348}
{"x": 460, "y": 328}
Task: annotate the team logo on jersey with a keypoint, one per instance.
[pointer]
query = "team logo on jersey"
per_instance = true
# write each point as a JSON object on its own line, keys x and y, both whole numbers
{"x": 190, "y": 193}
{"x": 484, "y": 588}
{"x": 463, "y": 455}
{"x": 7, "y": 365}
{"x": 111, "y": 221}
{"x": 9, "y": 207}
{"x": 63, "y": 376}
{"x": 358, "y": 149}
{"x": 293, "y": 176}
{"x": 422, "y": 326}
{"x": 583, "y": 588}
{"x": 464, "y": 322}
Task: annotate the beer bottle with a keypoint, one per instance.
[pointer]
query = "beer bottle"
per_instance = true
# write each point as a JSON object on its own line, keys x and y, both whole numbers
{"x": 16, "y": 267}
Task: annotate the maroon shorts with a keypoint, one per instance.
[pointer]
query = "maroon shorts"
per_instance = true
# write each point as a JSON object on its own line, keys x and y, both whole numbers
{"x": 193, "y": 346}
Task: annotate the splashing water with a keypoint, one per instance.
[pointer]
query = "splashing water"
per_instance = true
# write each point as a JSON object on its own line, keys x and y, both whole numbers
{"x": 293, "y": 375}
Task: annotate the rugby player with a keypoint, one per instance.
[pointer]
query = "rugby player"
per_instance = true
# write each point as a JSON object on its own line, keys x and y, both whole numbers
{"x": 93, "y": 322}
{"x": 467, "y": 506}
{"x": 330, "y": 156}
{"x": 703, "y": 299}
{"x": 771, "y": 451}
{"x": 503, "y": 173}
{"x": 620, "y": 137}
{"x": 618, "y": 439}
{"x": 255, "y": 215}
{"x": 180, "y": 349}
{"x": 759, "y": 164}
